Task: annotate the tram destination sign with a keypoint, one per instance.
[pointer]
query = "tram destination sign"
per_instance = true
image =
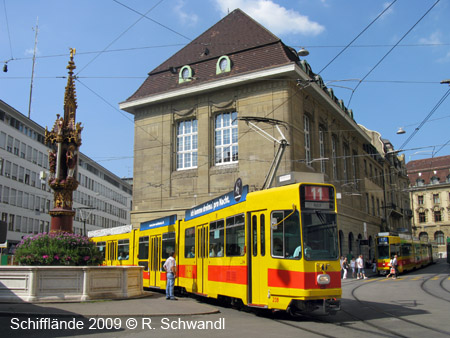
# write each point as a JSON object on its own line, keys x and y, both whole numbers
{"x": 317, "y": 197}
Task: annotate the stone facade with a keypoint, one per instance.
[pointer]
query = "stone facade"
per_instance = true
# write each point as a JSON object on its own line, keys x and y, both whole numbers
{"x": 325, "y": 142}
{"x": 430, "y": 199}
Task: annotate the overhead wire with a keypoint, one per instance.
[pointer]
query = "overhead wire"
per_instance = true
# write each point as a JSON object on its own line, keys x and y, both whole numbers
{"x": 390, "y": 50}
{"x": 7, "y": 28}
{"x": 120, "y": 35}
{"x": 438, "y": 104}
{"x": 361, "y": 33}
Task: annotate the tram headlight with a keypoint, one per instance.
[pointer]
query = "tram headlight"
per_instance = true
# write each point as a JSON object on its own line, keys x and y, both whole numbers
{"x": 323, "y": 279}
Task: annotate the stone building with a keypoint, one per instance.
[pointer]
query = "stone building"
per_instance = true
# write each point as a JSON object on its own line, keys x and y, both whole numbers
{"x": 102, "y": 200}
{"x": 429, "y": 181}
{"x": 194, "y": 139}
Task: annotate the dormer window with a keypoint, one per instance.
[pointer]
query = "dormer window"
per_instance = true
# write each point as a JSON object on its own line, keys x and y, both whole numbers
{"x": 223, "y": 65}
{"x": 185, "y": 74}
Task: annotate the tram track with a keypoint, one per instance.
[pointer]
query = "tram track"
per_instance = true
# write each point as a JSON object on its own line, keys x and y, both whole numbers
{"x": 393, "y": 315}
{"x": 441, "y": 285}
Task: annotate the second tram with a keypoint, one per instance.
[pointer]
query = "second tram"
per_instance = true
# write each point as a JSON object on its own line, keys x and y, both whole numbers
{"x": 411, "y": 253}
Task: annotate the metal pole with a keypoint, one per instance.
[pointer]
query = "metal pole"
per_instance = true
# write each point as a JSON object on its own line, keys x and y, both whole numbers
{"x": 32, "y": 69}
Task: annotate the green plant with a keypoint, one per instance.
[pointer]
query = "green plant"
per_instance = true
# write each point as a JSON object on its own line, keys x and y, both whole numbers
{"x": 61, "y": 248}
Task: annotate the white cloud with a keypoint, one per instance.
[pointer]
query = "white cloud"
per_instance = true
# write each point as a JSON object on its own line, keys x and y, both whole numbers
{"x": 185, "y": 17}
{"x": 277, "y": 19}
{"x": 434, "y": 38}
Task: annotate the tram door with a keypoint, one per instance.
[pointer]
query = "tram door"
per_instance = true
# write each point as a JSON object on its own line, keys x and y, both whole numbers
{"x": 257, "y": 270}
{"x": 111, "y": 255}
{"x": 155, "y": 258}
{"x": 202, "y": 258}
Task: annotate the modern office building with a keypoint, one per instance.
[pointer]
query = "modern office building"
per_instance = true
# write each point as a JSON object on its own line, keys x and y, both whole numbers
{"x": 429, "y": 182}
{"x": 102, "y": 199}
{"x": 194, "y": 137}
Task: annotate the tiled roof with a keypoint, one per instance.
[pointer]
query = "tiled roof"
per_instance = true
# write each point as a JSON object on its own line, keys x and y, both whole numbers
{"x": 249, "y": 46}
{"x": 430, "y": 167}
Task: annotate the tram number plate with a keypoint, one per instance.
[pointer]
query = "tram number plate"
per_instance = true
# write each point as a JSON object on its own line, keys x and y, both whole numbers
{"x": 275, "y": 300}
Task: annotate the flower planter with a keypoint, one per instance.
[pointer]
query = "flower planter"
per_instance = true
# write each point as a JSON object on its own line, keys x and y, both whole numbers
{"x": 69, "y": 283}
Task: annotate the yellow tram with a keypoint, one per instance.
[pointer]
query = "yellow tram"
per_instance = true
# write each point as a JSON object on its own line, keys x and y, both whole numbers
{"x": 273, "y": 249}
{"x": 412, "y": 253}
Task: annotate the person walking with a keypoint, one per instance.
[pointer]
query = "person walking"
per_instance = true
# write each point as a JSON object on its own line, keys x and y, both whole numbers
{"x": 345, "y": 267}
{"x": 391, "y": 268}
{"x": 395, "y": 266}
{"x": 170, "y": 268}
{"x": 341, "y": 262}
{"x": 360, "y": 265}
{"x": 353, "y": 266}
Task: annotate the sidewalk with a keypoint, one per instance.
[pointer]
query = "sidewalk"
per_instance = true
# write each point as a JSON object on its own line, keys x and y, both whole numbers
{"x": 152, "y": 304}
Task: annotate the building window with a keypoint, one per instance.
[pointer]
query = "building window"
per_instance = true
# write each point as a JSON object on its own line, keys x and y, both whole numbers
{"x": 423, "y": 236}
{"x": 434, "y": 180}
{"x": 422, "y": 217}
{"x": 437, "y": 216}
{"x": 322, "y": 150}
{"x": 420, "y": 199}
{"x": 436, "y": 199}
{"x": 187, "y": 145}
{"x": 334, "y": 156}
{"x": 367, "y": 204}
{"x": 223, "y": 65}
{"x": 185, "y": 74}
{"x": 420, "y": 182}
{"x": 306, "y": 130}
{"x": 354, "y": 169}
{"x": 439, "y": 237}
{"x": 226, "y": 138}
{"x": 346, "y": 156}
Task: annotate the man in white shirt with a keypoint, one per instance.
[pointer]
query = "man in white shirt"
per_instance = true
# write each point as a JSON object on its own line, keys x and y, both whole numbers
{"x": 360, "y": 265}
{"x": 170, "y": 268}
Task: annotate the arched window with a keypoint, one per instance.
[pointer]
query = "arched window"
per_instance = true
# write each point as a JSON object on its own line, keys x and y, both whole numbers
{"x": 341, "y": 242}
{"x": 359, "y": 243}
{"x": 371, "y": 254}
{"x": 350, "y": 242}
{"x": 223, "y": 65}
{"x": 185, "y": 74}
{"x": 423, "y": 236}
{"x": 434, "y": 180}
{"x": 420, "y": 182}
{"x": 439, "y": 237}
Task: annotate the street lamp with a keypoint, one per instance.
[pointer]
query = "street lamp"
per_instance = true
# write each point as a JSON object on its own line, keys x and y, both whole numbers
{"x": 85, "y": 216}
{"x": 445, "y": 81}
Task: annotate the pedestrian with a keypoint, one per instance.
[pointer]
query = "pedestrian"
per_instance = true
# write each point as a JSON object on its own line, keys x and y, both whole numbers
{"x": 395, "y": 266}
{"x": 360, "y": 265}
{"x": 170, "y": 268}
{"x": 353, "y": 266}
{"x": 391, "y": 268}
{"x": 345, "y": 267}
{"x": 374, "y": 265}
{"x": 341, "y": 261}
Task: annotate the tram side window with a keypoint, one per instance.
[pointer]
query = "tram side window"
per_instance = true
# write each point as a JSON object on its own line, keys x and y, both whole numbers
{"x": 235, "y": 235}
{"x": 406, "y": 249}
{"x": 216, "y": 238}
{"x": 102, "y": 248}
{"x": 189, "y": 243}
{"x": 124, "y": 249}
{"x": 286, "y": 234}
{"x": 262, "y": 224}
{"x": 168, "y": 244}
{"x": 143, "y": 248}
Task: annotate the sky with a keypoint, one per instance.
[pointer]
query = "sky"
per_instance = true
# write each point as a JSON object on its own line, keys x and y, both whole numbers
{"x": 386, "y": 68}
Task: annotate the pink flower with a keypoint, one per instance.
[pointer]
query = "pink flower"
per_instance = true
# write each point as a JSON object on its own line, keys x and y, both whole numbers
{"x": 45, "y": 256}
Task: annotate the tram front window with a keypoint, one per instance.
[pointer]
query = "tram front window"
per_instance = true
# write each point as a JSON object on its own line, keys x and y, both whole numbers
{"x": 320, "y": 239}
{"x": 383, "y": 251}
